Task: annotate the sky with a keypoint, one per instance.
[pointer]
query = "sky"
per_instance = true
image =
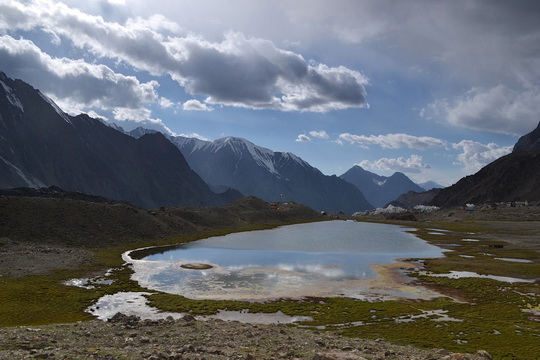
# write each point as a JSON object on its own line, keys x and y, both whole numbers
{"x": 433, "y": 89}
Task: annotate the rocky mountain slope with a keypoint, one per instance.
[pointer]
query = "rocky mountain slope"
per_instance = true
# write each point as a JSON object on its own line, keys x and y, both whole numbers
{"x": 379, "y": 190}
{"x": 529, "y": 142}
{"x": 267, "y": 174}
{"x": 42, "y": 146}
{"x": 514, "y": 177}
{"x": 412, "y": 198}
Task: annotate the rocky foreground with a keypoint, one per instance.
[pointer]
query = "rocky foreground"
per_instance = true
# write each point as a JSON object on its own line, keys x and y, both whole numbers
{"x": 127, "y": 337}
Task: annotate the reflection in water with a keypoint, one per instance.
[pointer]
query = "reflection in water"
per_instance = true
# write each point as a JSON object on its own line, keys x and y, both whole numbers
{"x": 318, "y": 259}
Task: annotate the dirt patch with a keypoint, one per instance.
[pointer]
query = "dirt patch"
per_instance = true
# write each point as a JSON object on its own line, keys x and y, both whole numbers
{"x": 19, "y": 259}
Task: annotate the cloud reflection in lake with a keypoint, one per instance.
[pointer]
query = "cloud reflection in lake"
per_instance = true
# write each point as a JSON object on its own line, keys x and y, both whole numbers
{"x": 318, "y": 259}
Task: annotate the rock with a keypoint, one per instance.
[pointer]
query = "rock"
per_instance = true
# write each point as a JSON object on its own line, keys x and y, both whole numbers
{"x": 188, "y": 318}
{"x": 337, "y": 356}
{"x": 406, "y": 216}
{"x": 484, "y": 354}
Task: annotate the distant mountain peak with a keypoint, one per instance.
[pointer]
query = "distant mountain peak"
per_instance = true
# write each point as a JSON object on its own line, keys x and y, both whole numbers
{"x": 379, "y": 190}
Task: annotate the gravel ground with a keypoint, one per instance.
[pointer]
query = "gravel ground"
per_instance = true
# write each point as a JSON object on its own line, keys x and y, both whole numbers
{"x": 127, "y": 337}
{"x": 19, "y": 259}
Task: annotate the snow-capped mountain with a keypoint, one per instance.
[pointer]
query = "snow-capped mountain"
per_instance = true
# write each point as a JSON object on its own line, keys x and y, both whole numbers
{"x": 269, "y": 175}
{"x": 42, "y": 146}
{"x": 380, "y": 190}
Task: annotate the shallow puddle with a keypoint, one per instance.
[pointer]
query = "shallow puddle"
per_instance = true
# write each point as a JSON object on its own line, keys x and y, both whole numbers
{"x": 134, "y": 303}
{"x": 515, "y": 260}
{"x": 469, "y": 274}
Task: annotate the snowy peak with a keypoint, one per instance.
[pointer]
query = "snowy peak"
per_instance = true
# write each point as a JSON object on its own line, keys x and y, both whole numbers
{"x": 270, "y": 175}
{"x": 241, "y": 149}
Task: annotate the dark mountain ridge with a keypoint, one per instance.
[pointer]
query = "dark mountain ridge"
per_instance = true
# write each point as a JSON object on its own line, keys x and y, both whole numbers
{"x": 529, "y": 142}
{"x": 41, "y": 146}
{"x": 513, "y": 177}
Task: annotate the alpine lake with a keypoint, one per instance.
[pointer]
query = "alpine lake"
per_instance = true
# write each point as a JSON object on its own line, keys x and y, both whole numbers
{"x": 449, "y": 285}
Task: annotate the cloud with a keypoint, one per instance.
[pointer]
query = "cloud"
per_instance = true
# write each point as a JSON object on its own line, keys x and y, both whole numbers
{"x": 413, "y": 164}
{"x": 498, "y": 109}
{"x": 393, "y": 141}
{"x": 132, "y": 118}
{"x": 194, "y": 135}
{"x": 475, "y": 155}
{"x": 303, "y": 138}
{"x": 196, "y": 105}
{"x": 238, "y": 71}
{"x": 165, "y": 103}
{"x": 319, "y": 134}
{"x": 74, "y": 81}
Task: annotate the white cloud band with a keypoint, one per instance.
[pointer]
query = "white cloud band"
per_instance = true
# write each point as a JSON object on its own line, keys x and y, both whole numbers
{"x": 393, "y": 141}
{"x": 413, "y": 164}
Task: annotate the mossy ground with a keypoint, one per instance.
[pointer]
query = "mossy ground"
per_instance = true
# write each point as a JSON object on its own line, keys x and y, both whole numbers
{"x": 490, "y": 314}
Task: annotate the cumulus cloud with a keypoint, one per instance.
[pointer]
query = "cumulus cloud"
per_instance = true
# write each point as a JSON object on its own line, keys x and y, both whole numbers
{"x": 165, "y": 103}
{"x": 74, "y": 81}
{"x": 319, "y": 134}
{"x": 498, "y": 109}
{"x": 196, "y": 105}
{"x": 413, "y": 164}
{"x": 475, "y": 155}
{"x": 303, "y": 138}
{"x": 393, "y": 141}
{"x": 238, "y": 71}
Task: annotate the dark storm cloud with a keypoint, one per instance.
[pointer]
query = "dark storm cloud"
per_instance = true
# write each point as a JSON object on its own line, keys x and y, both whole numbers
{"x": 237, "y": 71}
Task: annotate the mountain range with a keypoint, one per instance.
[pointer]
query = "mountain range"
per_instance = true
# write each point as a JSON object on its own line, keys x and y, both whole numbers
{"x": 270, "y": 175}
{"x": 42, "y": 146}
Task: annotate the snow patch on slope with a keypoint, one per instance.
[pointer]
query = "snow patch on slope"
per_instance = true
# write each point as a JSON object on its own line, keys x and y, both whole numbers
{"x": 33, "y": 183}
{"x": 262, "y": 156}
{"x": 12, "y": 98}
{"x": 56, "y": 107}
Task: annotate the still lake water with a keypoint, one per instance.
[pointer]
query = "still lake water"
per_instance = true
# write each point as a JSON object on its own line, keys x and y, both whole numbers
{"x": 332, "y": 258}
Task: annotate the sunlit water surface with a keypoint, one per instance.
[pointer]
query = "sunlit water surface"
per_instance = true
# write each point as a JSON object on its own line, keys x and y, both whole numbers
{"x": 330, "y": 258}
